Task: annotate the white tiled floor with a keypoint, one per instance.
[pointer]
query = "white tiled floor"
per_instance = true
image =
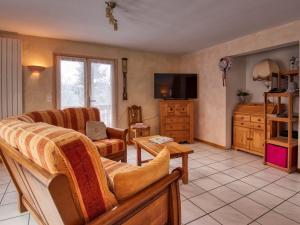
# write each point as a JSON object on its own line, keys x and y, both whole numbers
{"x": 226, "y": 187}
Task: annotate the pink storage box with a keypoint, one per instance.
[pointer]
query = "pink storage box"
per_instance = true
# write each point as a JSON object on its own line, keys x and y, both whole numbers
{"x": 277, "y": 155}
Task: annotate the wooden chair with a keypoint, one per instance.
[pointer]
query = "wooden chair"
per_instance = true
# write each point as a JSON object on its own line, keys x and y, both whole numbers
{"x": 136, "y": 126}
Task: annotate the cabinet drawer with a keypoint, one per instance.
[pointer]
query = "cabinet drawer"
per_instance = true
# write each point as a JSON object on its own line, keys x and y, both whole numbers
{"x": 240, "y": 117}
{"x": 259, "y": 126}
{"x": 177, "y": 126}
{"x": 257, "y": 119}
{"x": 242, "y": 124}
{"x": 177, "y": 119}
{"x": 178, "y": 136}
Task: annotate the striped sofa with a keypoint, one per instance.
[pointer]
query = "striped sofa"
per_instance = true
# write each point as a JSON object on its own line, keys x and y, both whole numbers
{"x": 62, "y": 179}
{"x": 75, "y": 118}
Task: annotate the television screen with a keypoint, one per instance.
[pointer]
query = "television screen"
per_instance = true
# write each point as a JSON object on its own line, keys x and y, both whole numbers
{"x": 175, "y": 86}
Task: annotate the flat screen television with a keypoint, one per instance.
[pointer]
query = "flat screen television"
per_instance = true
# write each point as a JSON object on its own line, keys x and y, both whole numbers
{"x": 175, "y": 86}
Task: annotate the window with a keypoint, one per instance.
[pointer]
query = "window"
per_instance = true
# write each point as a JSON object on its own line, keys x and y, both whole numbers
{"x": 85, "y": 82}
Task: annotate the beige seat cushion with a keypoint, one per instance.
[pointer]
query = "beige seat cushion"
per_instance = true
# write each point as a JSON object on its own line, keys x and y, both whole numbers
{"x": 127, "y": 183}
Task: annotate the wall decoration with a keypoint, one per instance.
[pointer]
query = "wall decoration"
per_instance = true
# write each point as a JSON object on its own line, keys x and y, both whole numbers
{"x": 264, "y": 70}
{"x": 224, "y": 66}
{"x": 124, "y": 70}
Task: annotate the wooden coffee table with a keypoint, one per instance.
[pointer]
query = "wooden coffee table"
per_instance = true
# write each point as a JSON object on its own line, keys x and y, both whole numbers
{"x": 176, "y": 151}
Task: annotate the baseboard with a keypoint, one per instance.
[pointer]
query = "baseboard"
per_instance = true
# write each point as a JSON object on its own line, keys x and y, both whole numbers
{"x": 211, "y": 144}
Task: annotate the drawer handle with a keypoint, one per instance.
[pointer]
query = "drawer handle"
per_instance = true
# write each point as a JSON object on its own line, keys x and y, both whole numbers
{"x": 258, "y": 126}
{"x": 242, "y": 123}
{"x": 258, "y": 119}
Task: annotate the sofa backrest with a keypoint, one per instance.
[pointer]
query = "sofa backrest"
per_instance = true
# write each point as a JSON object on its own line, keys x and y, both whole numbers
{"x": 77, "y": 117}
{"x": 54, "y": 117}
{"x": 61, "y": 150}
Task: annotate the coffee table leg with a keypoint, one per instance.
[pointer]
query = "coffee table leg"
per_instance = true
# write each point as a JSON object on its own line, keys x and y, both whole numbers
{"x": 185, "y": 168}
{"x": 138, "y": 155}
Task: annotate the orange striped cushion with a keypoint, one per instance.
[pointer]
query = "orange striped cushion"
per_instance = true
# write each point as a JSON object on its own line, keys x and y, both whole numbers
{"x": 112, "y": 167}
{"x": 24, "y": 118}
{"x": 109, "y": 146}
{"x": 61, "y": 150}
{"x": 77, "y": 117}
{"x": 53, "y": 117}
{"x": 8, "y": 128}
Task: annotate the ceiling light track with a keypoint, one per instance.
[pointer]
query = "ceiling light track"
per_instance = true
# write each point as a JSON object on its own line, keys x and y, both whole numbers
{"x": 110, "y": 5}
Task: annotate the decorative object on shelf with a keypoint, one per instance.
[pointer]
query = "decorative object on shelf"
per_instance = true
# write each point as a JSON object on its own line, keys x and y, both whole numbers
{"x": 292, "y": 86}
{"x": 110, "y": 5}
{"x": 242, "y": 94}
{"x": 124, "y": 70}
{"x": 264, "y": 70}
{"x": 292, "y": 65}
{"x": 224, "y": 66}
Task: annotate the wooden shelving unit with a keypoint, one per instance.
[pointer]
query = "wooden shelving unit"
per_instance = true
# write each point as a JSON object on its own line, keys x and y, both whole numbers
{"x": 275, "y": 139}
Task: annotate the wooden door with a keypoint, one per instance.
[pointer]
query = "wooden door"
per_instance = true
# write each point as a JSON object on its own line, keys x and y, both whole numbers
{"x": 241, "y": 137}
{"x": 257, "y": 142}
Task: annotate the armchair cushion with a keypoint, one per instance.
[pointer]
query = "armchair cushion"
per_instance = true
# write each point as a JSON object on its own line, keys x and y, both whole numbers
{"x": 60, "y": 150}
{"x": 54, "y": 117}
{"x": 96, "y": 130}
{"x": 77, "y": 117}
{"x": 109, "y": 146}
{"x": 127, "y": 183}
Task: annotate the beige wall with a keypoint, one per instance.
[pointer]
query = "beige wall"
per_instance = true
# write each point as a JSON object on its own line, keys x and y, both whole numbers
{"x": 281, "y": 56}
{"x": 38, "y": 91}
{"x": 211, "y": 124}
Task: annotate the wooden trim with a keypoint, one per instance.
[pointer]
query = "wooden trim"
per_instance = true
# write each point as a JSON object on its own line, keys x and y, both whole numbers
{"x": 211, "y": 144}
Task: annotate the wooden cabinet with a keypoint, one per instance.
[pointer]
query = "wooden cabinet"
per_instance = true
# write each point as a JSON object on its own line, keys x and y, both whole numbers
{"x": 248, "y": 128}
{"x": 177, "y": 119}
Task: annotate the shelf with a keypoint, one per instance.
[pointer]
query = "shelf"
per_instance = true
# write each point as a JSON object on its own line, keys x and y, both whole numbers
{"x": 290, "y": 73}
{"x": 282, "y": 94}
{"x": 272, "y": 117}
{"x": 282, "y": 141}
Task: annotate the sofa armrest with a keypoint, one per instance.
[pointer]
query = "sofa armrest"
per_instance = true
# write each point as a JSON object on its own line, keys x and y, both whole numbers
{"x": 135, "y": 208}
{"x": 116, "y": 133}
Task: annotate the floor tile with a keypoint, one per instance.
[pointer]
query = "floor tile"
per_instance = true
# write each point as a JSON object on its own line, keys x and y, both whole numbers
{"x": 190, "y": 212}
{"x": 20, "y": 220}
{"x": 4, "y": 179}
{"x": 289, "y": 210}
{"x": 194, "y": 164}
{"x": 276, "y": 171}
{"x": 222, "y": 178}
{"x": 3, "y": 188}
{"x": 205, "y": 160}
{"x": 225, "y": 194}
{"x": 207, "y": 202}
{"x": 219, "y": 166}
{"x": 205, "y": 170}
{"x": 279, "y": 191}
{"x": 247, "y": 169}
{"x": 241, "y": 187}
{"x": 11, "y": 187}
{"x": 230, "y": 216}
{"x": 32, "y": 221}
{"x": 190, "y": 190}
{"x": 206, "y": 183}
{"x": 255, "y": 181}
{"x": 8, "y": 211}
{"x": 295, "y": 199}
{"x": 266, "y": 176}
{"x": 265, "y": 198}
{"x": 9, "y": 197}
{"x": 273, "y": 218}
{"x": 249, "y": 207}
{"x": 236, "y": 173}
{"x": 205, "y": 220}
{"x": 289, "y": 184}
{"x": 294, "y": 177}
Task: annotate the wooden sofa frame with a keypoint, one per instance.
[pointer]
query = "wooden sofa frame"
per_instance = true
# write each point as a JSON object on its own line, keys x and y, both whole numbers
{"x": 49, "y": 200}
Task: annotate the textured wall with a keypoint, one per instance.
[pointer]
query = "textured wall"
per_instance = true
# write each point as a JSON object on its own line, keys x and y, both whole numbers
{"x": 141, "y": 67}
{"x": 211, "y": 125}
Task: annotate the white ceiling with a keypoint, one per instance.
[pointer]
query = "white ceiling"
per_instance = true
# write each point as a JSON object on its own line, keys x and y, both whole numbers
{"x": 170, "y": 26}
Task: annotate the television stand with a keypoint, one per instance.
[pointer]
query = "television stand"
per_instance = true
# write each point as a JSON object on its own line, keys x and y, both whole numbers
{"x": 177, "y": 119}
